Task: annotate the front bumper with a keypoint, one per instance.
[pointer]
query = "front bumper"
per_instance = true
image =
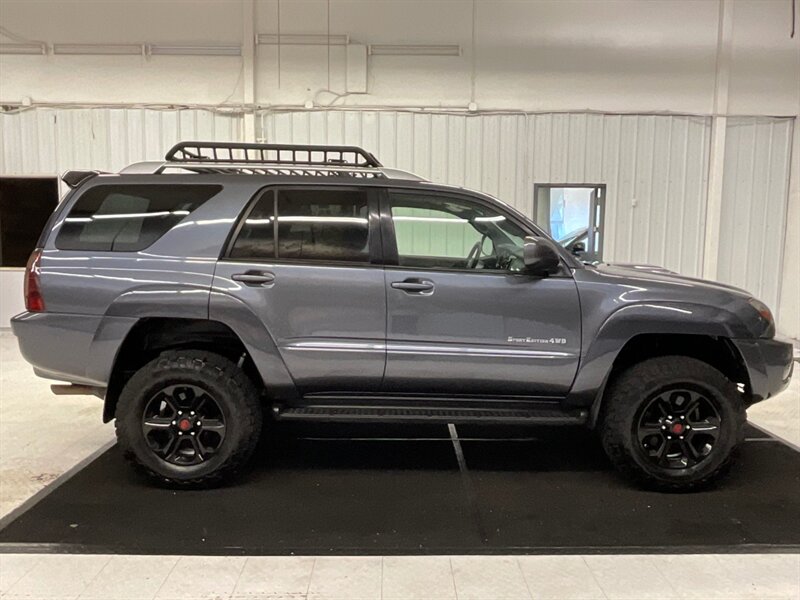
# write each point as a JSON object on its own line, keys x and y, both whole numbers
{"x": 769, "y": 364}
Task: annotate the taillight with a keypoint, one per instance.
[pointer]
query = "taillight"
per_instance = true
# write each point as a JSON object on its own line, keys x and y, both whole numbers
{"x": 34, "y": 302}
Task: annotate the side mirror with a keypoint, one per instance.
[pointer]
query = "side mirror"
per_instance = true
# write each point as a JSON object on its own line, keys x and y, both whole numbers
{"x": 578, "y": 248}
{"x": 540, "y": 258}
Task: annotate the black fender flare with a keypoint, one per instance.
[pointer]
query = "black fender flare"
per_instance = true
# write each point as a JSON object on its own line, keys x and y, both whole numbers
{"x": 603, "y": 346}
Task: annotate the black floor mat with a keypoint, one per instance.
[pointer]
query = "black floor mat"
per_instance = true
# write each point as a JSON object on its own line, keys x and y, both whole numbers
{"x": 372, "y": 490}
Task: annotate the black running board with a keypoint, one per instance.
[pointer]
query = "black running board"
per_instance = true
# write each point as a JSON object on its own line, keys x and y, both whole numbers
{"x": 384, "y": 414}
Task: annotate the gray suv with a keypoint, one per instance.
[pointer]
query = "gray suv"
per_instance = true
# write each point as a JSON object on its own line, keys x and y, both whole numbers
{"x": 230, "y": 283}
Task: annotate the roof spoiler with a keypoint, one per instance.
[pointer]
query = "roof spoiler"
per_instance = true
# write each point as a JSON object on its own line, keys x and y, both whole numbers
{"x": 76, "y": 178}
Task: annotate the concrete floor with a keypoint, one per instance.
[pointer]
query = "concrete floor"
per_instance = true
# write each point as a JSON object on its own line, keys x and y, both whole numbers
{"x": 42, "y": 436}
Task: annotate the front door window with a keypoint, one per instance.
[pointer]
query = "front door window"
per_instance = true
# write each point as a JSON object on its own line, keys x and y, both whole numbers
{"x": 436, "y": 232}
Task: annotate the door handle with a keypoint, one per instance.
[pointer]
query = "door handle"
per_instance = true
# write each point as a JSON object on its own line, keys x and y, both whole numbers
{"x": 414, "y": 286}
{"x": 254, "y": 278}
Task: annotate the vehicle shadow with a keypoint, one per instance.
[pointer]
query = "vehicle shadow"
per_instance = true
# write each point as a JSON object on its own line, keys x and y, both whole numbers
{"x": 428, "y": 447}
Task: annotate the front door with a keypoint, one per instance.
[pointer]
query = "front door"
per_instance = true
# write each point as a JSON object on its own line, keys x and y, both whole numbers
{"x": 463, "y": 317}
{"x": 306, "y": 262}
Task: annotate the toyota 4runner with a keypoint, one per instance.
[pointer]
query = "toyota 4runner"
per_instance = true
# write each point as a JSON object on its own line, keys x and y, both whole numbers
{"x": 234, "y": 282}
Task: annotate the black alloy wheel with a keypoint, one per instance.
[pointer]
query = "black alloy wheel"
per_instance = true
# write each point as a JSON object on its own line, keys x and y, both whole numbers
{"x": 677, "y": 428}
{"x": 183, "y": 424}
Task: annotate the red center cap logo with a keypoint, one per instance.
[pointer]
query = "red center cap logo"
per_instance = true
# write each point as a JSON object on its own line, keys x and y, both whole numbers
{"x": 184, "y": 424}
{"x": 677, "y": 428}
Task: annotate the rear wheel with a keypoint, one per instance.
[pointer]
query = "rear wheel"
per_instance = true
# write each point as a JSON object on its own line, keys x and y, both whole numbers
{"x": 672, "y": 423}
{"x": 189, "y": 418}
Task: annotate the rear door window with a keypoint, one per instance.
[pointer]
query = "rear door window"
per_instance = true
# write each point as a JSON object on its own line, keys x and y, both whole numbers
{"x": 128, "y": 218}
{"x": 309, "y": 225}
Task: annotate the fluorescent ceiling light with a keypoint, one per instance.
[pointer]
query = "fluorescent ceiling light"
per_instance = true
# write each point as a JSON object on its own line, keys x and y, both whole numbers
{"x": 431, "y": 219}
{"x": 23, "y": 49}
{"x": 304, "y": 219}
{"x": 100, "y": 49}
{"x": 415, "y": 50}
{"x": 300, "y": 39}
{"x": 194, "y": 50}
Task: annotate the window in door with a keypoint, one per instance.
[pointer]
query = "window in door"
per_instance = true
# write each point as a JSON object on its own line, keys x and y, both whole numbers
{"x": 307, "y": 225}
{"x": 443, "y": 232}
{"x": 573, "y": 216}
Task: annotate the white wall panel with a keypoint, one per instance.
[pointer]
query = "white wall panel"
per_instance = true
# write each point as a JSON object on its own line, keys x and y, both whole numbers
{"x": 660, "y": 162}
{"x": 50, "y": 141}
{"x": 755, "y": 193}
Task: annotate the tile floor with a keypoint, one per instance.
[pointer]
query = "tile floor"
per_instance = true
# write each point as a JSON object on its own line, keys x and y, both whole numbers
{"x": 31, "y": 458}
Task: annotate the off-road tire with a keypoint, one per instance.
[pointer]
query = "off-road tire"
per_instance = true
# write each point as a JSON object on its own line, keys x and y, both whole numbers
{"x": 232, "y": 390}
{"x": 627, "y": 393}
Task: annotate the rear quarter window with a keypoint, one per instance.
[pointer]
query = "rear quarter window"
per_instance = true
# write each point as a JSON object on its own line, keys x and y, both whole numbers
{"x": 128, "y": 218}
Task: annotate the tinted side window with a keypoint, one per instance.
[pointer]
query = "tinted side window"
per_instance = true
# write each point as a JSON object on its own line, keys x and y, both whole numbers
{"x": 440, "y": 232}
{"x": 256, "y": 238}
{"x": 127, "y": 218}
{"x": 315, "y": 225}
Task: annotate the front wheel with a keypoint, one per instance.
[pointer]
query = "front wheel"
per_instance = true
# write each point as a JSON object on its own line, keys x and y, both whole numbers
{"x": 672, "y": 423}
{"x": 189, "y": 418}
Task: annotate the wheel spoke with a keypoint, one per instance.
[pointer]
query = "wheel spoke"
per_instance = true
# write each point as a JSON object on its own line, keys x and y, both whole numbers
{"x": 692, "y": 406}
{"x": 171, "y": 451}
{"x": 708, "y": 426}
{"x": 662, "y": 405}
{"x": 199, "y": 402}
{"x": 215, "y": 425}
{"x": 198, "y": 449}
{"x": 664, "y": 455}
{"x": 689, "y": 450}
{"x": 156, "y": 424}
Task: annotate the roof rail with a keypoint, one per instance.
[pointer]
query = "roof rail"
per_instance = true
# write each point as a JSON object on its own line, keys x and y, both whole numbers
{"x": 244, "y": 154}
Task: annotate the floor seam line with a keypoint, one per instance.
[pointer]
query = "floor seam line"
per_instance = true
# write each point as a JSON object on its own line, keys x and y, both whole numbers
{"x": 524, "y": 579}
{"x": 453, "y": 577}
{"x": 175, "y": 564}
{"x": 310, "y": 577}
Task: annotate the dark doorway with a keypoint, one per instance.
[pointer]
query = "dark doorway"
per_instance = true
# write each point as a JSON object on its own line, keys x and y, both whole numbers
{"x": 25, "y": 205}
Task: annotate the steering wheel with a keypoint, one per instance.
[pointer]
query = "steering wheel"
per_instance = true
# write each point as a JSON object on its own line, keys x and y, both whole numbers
{"x": 475, "y": 254}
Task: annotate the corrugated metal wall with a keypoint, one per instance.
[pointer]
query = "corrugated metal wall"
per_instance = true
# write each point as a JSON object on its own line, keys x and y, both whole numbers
{"x": 50, "y": 141}
{"x": 755, "y": 194}
{"x": 655, "y": 167}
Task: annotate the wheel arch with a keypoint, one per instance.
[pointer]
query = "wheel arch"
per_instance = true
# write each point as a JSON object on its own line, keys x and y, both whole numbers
{"x": 150, "y": 336}
{"x": 718, "y": 352}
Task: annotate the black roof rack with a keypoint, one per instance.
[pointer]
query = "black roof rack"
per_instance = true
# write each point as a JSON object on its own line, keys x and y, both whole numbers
{"x": 243, "y": 154}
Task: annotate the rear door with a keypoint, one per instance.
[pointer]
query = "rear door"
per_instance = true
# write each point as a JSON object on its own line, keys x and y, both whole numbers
{"x": 306, "y": 261}
{"x": 463, "y": 317}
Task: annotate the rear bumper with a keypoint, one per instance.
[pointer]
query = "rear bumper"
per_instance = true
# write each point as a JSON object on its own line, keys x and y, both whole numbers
{"x": 769, "y": 364}
{"x": 70, "y": 347}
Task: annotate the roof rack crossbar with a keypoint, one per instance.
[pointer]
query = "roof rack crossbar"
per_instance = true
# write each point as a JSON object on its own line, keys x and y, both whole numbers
{"x": 255, "y": 168}
{"x": 271, "y": 154}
